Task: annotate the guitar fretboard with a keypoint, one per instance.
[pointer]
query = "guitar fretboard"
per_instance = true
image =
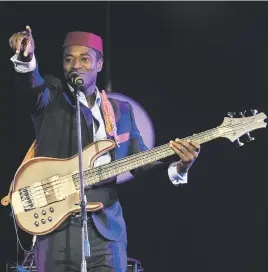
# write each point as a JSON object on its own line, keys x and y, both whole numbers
{"x": 104, "y": 172}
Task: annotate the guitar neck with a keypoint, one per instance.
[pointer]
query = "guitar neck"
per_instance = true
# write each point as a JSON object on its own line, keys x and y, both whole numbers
{"x": 101, "y": 173}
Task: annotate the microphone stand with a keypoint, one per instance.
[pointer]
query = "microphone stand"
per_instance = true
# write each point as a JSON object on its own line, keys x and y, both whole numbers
{"x": 83, "y": 198}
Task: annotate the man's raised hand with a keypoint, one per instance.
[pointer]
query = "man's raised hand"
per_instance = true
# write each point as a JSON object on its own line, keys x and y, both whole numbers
{"x": 23, "y": 42}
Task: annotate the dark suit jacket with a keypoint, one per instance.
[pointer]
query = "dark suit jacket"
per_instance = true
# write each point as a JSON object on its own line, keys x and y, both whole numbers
{"x": 52, "y": 109}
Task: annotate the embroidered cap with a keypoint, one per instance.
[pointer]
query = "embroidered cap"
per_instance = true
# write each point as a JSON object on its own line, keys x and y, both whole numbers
{"x": 83, "y": 39}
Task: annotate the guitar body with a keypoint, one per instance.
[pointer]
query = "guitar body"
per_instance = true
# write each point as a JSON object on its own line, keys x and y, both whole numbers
{"x": 44, "y": 194}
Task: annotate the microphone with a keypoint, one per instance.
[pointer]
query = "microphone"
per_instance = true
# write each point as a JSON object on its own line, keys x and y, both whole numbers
{"x": 75, "y": 79}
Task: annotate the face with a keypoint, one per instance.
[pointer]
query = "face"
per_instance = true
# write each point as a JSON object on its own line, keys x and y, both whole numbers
{"x": 84, "y": 61}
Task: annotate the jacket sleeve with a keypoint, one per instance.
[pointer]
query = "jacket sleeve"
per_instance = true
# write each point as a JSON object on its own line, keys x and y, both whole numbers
{"x": 37, "y": 92}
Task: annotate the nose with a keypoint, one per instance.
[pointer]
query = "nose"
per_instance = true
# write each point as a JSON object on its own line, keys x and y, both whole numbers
{"x": 77, "y": 64}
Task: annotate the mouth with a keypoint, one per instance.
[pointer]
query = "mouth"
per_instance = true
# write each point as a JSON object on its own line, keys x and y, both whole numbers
{"x": 78, "y": 73}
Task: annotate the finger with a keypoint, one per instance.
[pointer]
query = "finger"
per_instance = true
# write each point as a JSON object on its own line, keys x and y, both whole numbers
{"x": 190, "y": 145}
{"x": 186, "y": 144}
{"x": 195, "y": 145}
{"x": 182, "y": 150}
{"x": 13, "y": 41}
{"x": 29, "y": 40}
{"x": 178, "y": 151}
{"x": 18, "y": 44}
{"x": 179, "y": 146}
{"x": 28, "y": 30}
{"x": 27, "y": 47}
{"x": 189, "y": 152}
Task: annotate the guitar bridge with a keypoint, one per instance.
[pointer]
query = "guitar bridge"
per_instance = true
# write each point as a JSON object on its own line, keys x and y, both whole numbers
{"x": 27, "y": 198}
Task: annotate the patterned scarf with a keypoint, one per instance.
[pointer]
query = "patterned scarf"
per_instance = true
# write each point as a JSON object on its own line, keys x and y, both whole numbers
{"x": 109, "y": 118}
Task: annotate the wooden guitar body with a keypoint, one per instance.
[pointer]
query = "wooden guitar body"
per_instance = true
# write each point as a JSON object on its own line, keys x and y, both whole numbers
{"x": 44, "y": 193}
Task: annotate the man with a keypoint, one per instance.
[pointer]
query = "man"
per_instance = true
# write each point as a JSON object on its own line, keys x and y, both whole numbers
{"x": 52, "y": 107}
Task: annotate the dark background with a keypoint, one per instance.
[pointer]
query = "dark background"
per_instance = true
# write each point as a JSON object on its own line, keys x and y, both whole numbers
{"x": 187, "y": 64}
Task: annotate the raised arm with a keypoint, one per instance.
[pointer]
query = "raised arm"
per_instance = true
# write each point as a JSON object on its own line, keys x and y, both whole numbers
{"x": 39, "y": 91}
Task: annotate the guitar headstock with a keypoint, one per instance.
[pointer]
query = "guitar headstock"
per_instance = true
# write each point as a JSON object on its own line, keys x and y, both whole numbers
{"x": 237, "y": 125}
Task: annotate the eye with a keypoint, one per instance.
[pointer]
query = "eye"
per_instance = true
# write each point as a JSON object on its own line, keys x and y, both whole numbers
{"x": 85, "y": 59}
{"x": 68, "y": 60}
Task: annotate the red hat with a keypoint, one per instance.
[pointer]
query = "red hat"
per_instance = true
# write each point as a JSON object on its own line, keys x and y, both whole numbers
{"x": 84, "y": 39}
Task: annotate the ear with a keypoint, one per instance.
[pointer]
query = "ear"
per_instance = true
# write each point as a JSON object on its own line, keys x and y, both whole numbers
{"x": 99, "y": 65}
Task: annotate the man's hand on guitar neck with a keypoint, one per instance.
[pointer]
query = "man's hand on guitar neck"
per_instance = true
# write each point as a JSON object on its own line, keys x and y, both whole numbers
{"x": 187, "y": 151}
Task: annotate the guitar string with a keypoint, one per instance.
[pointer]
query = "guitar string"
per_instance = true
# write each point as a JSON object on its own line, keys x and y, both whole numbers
{"x": 159, "y": 149}
{"x": 93, "y": 171}
{"x": 164, "y": 147}
{"x": 71, "y": 179}
{"x": 99, "y": 168}
{"x": 59, "y": 188}
{"x": 68, "y": 191}
{"x": 68, "y": 188}
{"x": 141, "y": 154}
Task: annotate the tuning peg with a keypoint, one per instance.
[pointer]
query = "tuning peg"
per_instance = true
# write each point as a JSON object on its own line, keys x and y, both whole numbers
{"x": 242, "y": 114}
{"x": 254, "y": 112}
{"x": 250, "y": 139}
{"x": 231, "y": 114}
{"x": 239, "y": 143}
